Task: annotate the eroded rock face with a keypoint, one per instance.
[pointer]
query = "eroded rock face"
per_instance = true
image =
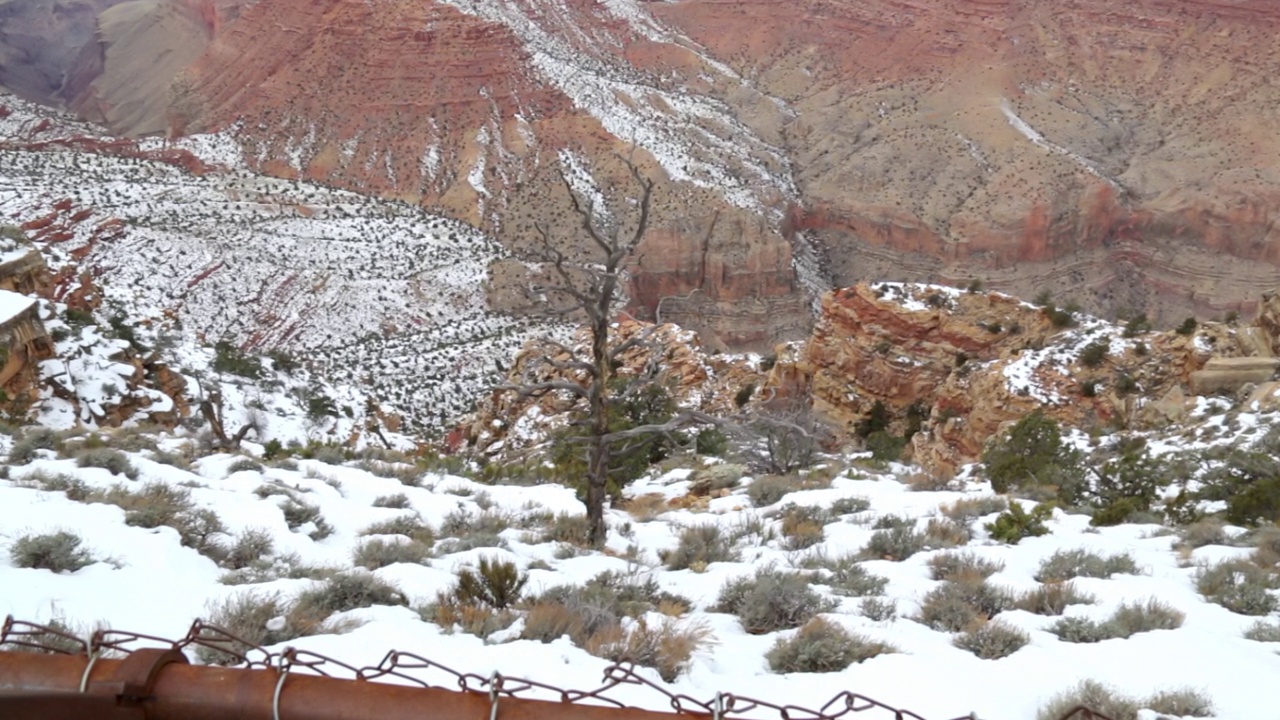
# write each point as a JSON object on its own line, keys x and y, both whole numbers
{"x": 1122, "y": 156}
{"x": 1118, "y": 153}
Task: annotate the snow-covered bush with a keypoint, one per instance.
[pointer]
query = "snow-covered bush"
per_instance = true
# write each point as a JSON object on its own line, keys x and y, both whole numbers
{"x": 822, "y": 646}
{"x": 1264, "y": 631}
{"x": 993, "y": 640}
{"x": 250, "y": 547}
{"x": 298, "y": 513}
{"x": 771, "y": 600}
{"x": 59, "y": 551}
{"x": 409, "y": 525}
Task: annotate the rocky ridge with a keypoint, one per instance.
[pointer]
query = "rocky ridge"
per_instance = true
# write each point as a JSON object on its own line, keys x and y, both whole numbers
{"x": 963, "y": 364}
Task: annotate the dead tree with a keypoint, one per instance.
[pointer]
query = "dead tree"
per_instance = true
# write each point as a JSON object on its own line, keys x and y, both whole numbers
{"x": 589, "y": 288}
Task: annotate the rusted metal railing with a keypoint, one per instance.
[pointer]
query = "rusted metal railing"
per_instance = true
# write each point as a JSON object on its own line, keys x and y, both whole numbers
{"x": 112, "y": 676}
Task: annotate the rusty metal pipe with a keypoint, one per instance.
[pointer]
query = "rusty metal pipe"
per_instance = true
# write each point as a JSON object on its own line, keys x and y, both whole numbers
{"x": 195, "y": 692}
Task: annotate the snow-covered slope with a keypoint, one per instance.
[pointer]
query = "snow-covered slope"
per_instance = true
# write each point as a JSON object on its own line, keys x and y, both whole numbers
{"x": 926, "y": 674}
{"x": 370, "y": 292}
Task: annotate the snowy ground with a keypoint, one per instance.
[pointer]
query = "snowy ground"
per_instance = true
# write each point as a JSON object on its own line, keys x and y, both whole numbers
{"x": 149, "y": 583}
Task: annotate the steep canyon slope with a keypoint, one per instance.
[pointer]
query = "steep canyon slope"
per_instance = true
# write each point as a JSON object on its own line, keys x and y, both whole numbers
{"x": 1122, "y": 155}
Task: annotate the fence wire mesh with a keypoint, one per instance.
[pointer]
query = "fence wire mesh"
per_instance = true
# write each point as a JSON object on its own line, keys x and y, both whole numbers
{"x": 411, "y": 668}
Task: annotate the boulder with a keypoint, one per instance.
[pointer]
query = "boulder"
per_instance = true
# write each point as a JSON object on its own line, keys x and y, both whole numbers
{"x": 1231, "y": 374}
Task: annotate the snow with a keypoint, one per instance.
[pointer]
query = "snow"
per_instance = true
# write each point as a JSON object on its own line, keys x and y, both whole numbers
{"x": 13, "y": 304}
{"x": 1207, "y": 652}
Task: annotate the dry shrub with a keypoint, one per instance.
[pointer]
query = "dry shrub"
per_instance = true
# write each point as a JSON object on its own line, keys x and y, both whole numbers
{"x": 946, "y": 533}
{"x": 379, "y": 553}
{"x": 956, "y": 605}
{"x": 479, "y": 620}
{"x": 248, "y": 616}
{"x": 667, "y": 645}
{"x": 1267, "y": 554}
{"x": 965, "y": 510}
{"x": 59, "y": 552}
{"x": 699, "y": 546}
{"x": 1264, "y": 631}
{"x": 156, "y": 504}
{"x": 802, "y": 527}
{"x": 895, "y": 543}
{"x": 547, "y": 621}
{"x": 926, "y": 482}
{"x": 114, "y": 461}
{"x": 772, "y": 600}
{"x": 410, "y": 526}
{"x": 54, "y": 640}
{"x": 340, "y": 593}
{"x": 966, "y": 566}
{"x": 1070, "y": 564}
{"x": 822, "y": 646}
{"x": 1128, "y": 620}
{"x": 399, "y": 501}
{"x": 647, "y": 507}
{"x": 1209, "y": 531}
{"x": 992, "y": 640}
{"x": 566, "y": 528}
{"x": 298, "y": 513}
{"x": 1052, "y": 598}
{"x": 879, "y": 609}
{"x": 770, "y": 489}
{"x": 845, "y": 575}
{"x": 1239, "y": 586}
{"x": 1111, "y": 703}
{"x": 250, "y": 547}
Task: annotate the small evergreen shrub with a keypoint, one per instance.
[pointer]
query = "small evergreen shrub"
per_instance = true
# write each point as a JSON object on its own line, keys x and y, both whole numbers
{"x": 771, "y": 600}
{"x": 1188, "y": 327}
{"x": 1031, "y": 454}
{"x": 822, "y": 646}
{"x": 701, "y": 545}
{"x": 1069, "y": 564}
{"x": 59, "y": 552}
{"x": 1094, "y": 354}
{"x": 993, "y": 640}
{"x": 1014, "y": 524}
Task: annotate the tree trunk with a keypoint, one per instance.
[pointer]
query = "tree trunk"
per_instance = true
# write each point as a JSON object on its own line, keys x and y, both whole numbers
{"x": 598, "y": 401}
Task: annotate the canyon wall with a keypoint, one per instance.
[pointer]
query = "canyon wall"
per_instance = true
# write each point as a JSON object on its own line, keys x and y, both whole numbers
{"x": 1120, "y": 156}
